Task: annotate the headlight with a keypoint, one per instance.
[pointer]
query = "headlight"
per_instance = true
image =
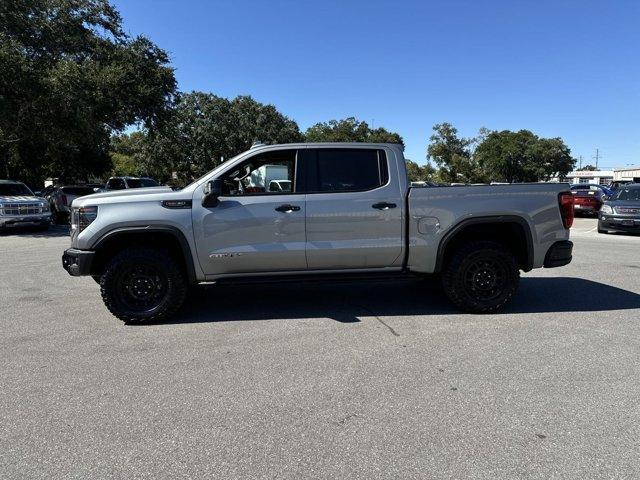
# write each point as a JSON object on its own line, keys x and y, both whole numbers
{"x": 82, "y": 217}
{"x": 45, "y": 206}
{"x": 606, "y": 209}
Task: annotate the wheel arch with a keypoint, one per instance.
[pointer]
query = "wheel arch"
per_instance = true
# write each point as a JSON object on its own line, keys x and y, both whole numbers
{"x": 167, "y": 237}
{"x": 510, "y": 230}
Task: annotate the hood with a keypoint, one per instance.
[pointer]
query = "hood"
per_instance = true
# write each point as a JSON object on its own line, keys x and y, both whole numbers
{"x": 21, "y": 199}
{"x": 124, "y": 196}
{"x": 128, "y": 192}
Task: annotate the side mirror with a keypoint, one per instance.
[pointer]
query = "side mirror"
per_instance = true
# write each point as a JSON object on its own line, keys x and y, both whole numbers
{"x": 212, "y": 190}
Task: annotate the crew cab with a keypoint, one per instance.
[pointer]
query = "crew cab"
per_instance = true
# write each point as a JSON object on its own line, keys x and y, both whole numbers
{"x": 347, "y": 210}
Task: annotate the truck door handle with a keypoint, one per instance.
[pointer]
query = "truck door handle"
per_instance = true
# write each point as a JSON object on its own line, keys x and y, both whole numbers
{"x": 287, "y": 208}
{"x": 384, "y": 205}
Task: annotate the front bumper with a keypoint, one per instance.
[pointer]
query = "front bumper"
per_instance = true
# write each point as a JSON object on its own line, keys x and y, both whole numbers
{"x": 559, "y": 254}
{"x": 18, "y": 221}
{"x": 77, "y": 262}
{"x": 619, "y": 222}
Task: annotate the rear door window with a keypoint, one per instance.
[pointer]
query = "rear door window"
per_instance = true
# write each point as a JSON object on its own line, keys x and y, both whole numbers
{"x": 347, "y": 170}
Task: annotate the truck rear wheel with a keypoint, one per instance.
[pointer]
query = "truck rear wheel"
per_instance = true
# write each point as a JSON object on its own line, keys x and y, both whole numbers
{"x": 481, "y": 277}
{"x": 142, "y": 285}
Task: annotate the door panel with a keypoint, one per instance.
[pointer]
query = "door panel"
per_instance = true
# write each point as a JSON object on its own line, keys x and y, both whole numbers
{"x": 257, "y": 225}
{"x": 247, "y": 234}
{"x": 353, "y": 229}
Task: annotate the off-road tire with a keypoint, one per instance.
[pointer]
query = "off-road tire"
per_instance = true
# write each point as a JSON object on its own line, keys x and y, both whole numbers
{"x": 481, "y": 277}
{"x": 136, "y": 271}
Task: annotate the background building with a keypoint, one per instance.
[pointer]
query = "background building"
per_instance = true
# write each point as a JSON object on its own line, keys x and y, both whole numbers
{"x": 601, "y": 177}
{"x": 628, "y": 174}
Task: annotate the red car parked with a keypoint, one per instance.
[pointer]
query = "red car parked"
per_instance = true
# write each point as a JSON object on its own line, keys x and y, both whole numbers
{"x": 587, "y": 201}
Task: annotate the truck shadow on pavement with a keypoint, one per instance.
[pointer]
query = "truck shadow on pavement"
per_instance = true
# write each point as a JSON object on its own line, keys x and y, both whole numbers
{"x": 348, "y": 302}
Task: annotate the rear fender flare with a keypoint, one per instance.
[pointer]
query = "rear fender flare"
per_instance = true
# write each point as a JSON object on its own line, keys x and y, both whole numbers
{"x": 460, "y": 226}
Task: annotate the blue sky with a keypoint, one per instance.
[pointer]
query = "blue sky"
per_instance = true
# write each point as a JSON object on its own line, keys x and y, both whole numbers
{"x": 559, "y": 68}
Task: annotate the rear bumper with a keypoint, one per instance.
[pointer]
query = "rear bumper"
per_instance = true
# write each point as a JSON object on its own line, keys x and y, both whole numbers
{"x": 559, "y": 254}
{"x": 593, "y": 209}
{"x": 77, "y": 262}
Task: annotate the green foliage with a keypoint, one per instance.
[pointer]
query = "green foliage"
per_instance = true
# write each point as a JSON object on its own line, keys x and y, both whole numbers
{"x": 127, "y": 154}
{"x": 69, "y": 77}
{"x": 417, "y": 173}
{"x": 587, "y": 168}
{"x": 203, "y": 129}
{"x": 453, "y": 155}
{"x": 522, "y": 156}
{"x": 350, "y": 130}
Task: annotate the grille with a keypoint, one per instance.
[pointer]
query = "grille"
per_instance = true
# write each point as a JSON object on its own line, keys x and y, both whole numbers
{"x": 628, "y": 210}
{"x": 21, "y": 209}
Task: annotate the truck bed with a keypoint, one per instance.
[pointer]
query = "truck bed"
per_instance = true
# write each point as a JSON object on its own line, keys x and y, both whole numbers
{"x": 436, "y": 211}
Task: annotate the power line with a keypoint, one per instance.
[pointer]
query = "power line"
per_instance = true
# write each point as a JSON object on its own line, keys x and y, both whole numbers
{"x": 597, "y": 157}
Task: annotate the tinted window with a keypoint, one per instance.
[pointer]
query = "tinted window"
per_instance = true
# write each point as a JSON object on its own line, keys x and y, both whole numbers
{"x": 347, "y": 170}
{"x": 77, "y": 191}
{"x": 628, "y": 194}
{"x": 11, "y": 189}
{"x": 116, "y": 184}
{"x": 141, "y": 182}
{"x": 272, "y": 172}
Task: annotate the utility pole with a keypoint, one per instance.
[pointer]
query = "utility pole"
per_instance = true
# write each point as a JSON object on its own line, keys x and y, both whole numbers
{"x": 579, "y": 162}
{"x": 597, "y": 157}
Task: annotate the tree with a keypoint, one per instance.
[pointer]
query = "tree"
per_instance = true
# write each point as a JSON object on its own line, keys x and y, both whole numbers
{"x": 417, "y": 173}
{"x": 453, "y": 155}
{"x": 69, "y": 78}
{"x": 350, "y": 130}
{"x": 203, "y": 130}
{"x": 127, "y": 154}
{"x": 587, "y": 168}
{"x": 522, "y": 156}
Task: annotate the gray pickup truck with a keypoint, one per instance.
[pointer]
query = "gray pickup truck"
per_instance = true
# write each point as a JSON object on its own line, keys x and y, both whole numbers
{"x": 303, "y": 210}
{"x": 19, "y": 207}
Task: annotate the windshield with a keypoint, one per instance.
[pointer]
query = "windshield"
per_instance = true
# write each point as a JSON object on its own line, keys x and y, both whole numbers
{"x": 14, "y": 189}
{"x": 629, "y": 194}
{"x": 141, "y": 182}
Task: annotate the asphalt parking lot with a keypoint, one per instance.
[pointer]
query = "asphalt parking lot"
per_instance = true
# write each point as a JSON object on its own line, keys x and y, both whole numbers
{"x": 323, "y": 380}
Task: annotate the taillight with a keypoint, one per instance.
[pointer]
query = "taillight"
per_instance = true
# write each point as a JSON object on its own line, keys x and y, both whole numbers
{"x": 565, "y": 201}
{"x": 64, "y": 199}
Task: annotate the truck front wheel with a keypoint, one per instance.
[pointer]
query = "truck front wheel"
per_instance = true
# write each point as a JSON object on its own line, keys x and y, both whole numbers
{"x": 142, "y": 285}
{"x": 481, "y": 277}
